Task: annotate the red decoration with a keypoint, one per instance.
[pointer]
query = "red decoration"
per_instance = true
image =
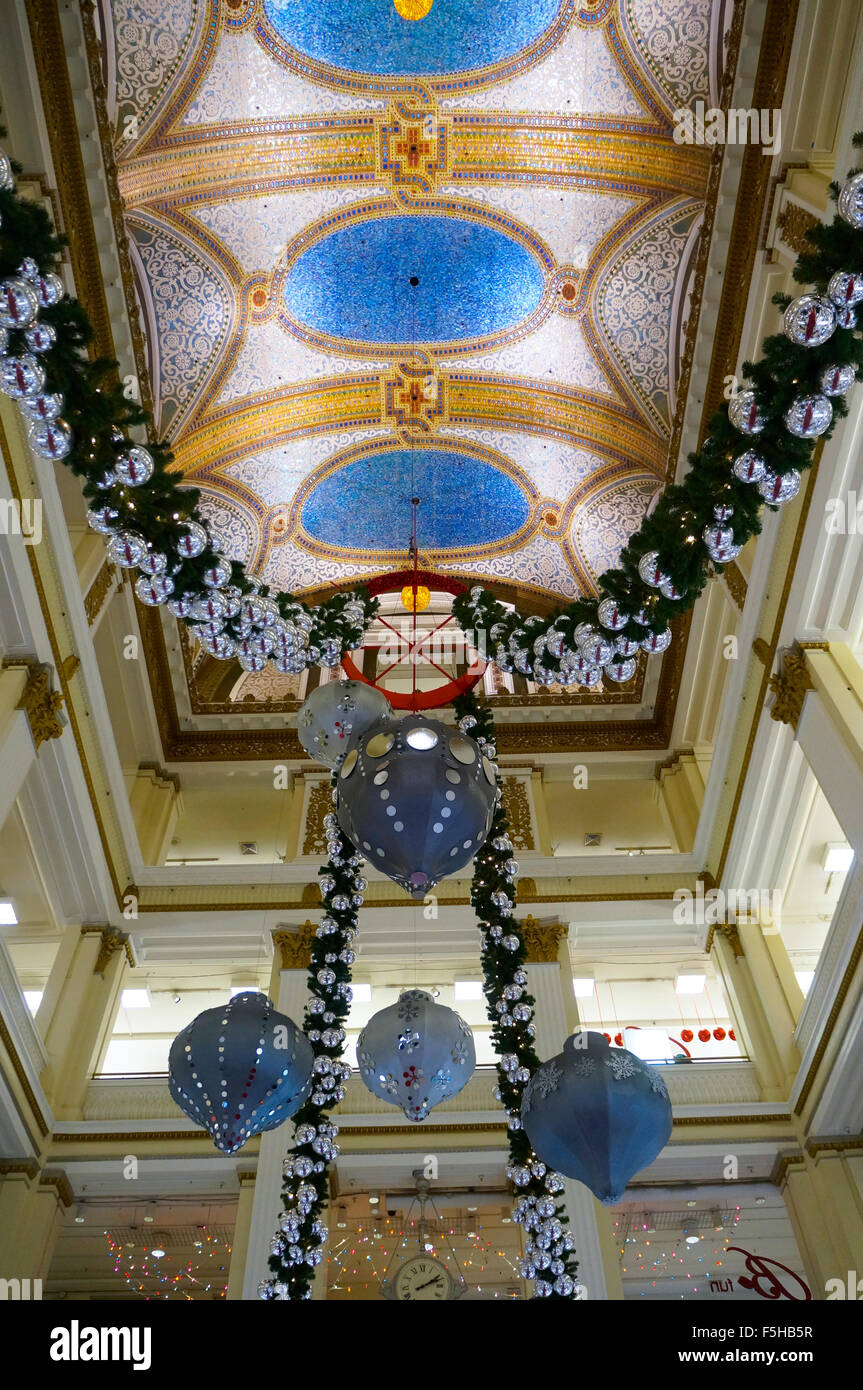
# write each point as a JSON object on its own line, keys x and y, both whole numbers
{"x": 416, "y": 699}
{"x": 618, "y": 1039}
{"x": 731, "y": 1035}
{"x": 719, "y": 1034}
{"x": 686, "y": 1035}
{"x": 607, "y": 1037}
{"x": 704, "y": 1035}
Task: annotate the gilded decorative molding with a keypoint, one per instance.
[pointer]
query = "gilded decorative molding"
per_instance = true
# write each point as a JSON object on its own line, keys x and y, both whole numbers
{"x": 8, "y": 1169}
{"x": 792, "y": 224}
{"x": 319, "y": 804}
{"x": 832, "y": 1018}
{"x": 98, "y": 591}
{"x": 162, "y": 775}
{"x": 790, "y": 687}
{"x": 49, "y": 1178}
{"x": 247, "y": 1177}
{"x": 762, "y": 651}
{"x": 517, "y": 806}
{"x": 23, "y": 1079}
{"x": 39, "y": 702}
{"x": 295, "y": 947}
{"x": 735, "y": 584}
{"x": 782, "y": 1163}
{"x": 835, "y": 1146}
{"x": 542, "y": 939}
{"x": 732, "y": 936}
{"x": 111, "y": 942}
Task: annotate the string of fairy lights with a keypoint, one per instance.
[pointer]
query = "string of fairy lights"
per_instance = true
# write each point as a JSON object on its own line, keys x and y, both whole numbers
{"x": 638, "y": 1253}
{"x": 362, "y": 1255}
{"x": 152, "y": 1272}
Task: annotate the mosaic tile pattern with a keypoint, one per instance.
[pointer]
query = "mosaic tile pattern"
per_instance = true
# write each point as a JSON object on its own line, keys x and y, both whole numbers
{"x": 281, "y": 344}
{"x": 464, "y": 502}
{"x": 370, "y": 35}
{"x": 472, "y": 280}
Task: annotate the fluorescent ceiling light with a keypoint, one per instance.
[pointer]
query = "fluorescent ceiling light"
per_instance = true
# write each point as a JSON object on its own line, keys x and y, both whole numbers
{"x": 804, "y": 979}
{"x": 362, "y": 994}
{"x": 8, "y": 917}
{"x": 135, "y": 999}
{"x": 243, "y": 989}
{"x": 692, "y": 1240}
{"x": 467, "y": 989}
{"x": 690, "y": 984}
{"x": 582, "y": 987}
{"x": 837, "y": 858}
{"x": 650, "y": 1044}
{"x": 33, "y": 998}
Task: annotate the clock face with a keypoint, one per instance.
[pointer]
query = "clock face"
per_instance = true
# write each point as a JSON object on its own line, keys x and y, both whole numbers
{"x": 422, "y": 1279}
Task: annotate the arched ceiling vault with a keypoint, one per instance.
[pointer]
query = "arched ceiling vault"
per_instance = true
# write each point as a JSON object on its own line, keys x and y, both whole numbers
{"x": 287, "y": 171}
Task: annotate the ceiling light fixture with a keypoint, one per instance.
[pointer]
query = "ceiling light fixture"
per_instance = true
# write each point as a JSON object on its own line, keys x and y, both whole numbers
{"x": 690, "y": 984}
{"x": 583, "y": 986}
{"x": 8, "y": 916}
{"x": 838, "y": 858}
{"x": 135, "y": 999}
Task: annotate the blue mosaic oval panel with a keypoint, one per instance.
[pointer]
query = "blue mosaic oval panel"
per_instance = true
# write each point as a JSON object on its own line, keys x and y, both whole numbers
{"x": 471, "y": 280}
{"x": 366, "y": 505}
{"x": 371, "y": 36}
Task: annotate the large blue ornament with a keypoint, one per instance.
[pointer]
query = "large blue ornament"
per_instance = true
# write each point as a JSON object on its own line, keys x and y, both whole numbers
{"x": 240, "y": 1069}
{"x": 417, "y": 797}
{"x": 597, "y": 1113}
{"x": 416, "y": 1053}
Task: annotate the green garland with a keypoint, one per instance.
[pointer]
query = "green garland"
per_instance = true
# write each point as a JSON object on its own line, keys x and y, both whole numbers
{"x": 505, "y": 992}
{"x": 674, "y": 529}
{"x": 101, "y": 419}
{"x": 297, "y": 1247}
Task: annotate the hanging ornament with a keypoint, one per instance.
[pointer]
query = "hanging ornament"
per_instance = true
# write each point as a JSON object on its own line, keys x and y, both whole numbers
{"x": 777, "y": 488}
{"x": 127, "y": 549}
{"x": 182, "y": 606}
{"x": 610, "y": 615}
{"x": 704, "y": 1035}
{"x": 621, "y": 670}
{"x": 749, "y": 467}
{"x": 744, "y": 414}
{"x": 240, "y": 1069}
{"x": 597, "y": 650}
{"x": 416, "y": 1053}
{"x": 336, "y": 712}
{"x": 21, "y": 376}
{"x": 846, "y": 289}
{"x": 686, "y": 1035}
{"x": 135, "y": 467}
{"x": 103, "y": 519}
{"x": 846, "y": 317}
{"x": 7, "y": 178}
{"x": 809, "y": 320}
{"x": 40, "y": 337}
{"x": 719, "y": 1034}
{"x": 669, "y": 590}
{"x": 656, "y": 642}
{"x": 222, "y": 647}
{"x": 596, "y": 1114}
{"x": 19, "y": 303}
{"x": 49, "y": 289}
{"x": 418, "y": 797}
{"x": 192, "y": 540}
{"x": 50, "y": 439}
{"x": 42, "y": 407}
{"x": 218, "y": 574}
{"x": 809, "y": 416}
{"x": 651, "y": 571}
{"x": 851, "y": 200}
{"x": 836, "y": 380}
{"x": 624, "y": 646}
{"x": 154, "y": 589}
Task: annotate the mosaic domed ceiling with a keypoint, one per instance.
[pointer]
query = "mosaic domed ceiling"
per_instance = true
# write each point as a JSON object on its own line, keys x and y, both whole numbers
{"x": 386, "y": 247}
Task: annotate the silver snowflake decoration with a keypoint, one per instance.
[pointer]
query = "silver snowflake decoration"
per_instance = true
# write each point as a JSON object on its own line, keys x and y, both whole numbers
{"x": 389, "y": 1084}
{"x": 459, "y": 1053}
{"x": 548, "y": 1079}
{"x": 408, "y": 1010}
{"x": 622, "y": 1067}
{"x": 367, "y": 1063}
{"x": 442, "y": 1077}
{"x": 346, "y": 702}
{"x": 408, "y": 1041}
{"x": 583, "y": 1066}
{"x": 656, "y": 1082}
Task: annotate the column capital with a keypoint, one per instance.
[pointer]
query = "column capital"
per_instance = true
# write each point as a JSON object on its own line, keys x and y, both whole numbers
{"x": 39, "y": 702}
{"x": 790, "y": 686}
{"x": 295, "y": 946}
{"x": 732, "y": 935}
{"x": 542, "y": 940}
{"x": 111, "y": 941}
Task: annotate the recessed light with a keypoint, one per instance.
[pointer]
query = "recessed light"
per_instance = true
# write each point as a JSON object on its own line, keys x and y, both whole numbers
{"x": 135, "y": 999}
{"x": 8, "y": 916}
{"x": 838, "y": 858}
{"x": 690, "y": 984}
{"x": 583, "y": 987}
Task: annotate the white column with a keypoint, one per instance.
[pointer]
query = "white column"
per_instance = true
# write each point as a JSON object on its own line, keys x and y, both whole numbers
{"x": 831, "y": 757}
{"x": 266, "y": 1207}
{"x": 589, "y": 1222}
{"x": 17, "y": 749}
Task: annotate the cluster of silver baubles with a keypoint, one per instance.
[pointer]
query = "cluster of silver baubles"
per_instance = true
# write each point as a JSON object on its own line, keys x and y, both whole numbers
{"x": 240, "y": 1069}
{"x": 416, "y": 1053}
{"x": 417, "y": 797}
{"x": 596, "y": 1113}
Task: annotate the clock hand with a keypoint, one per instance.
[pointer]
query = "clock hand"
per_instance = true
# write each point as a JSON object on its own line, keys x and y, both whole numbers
{"x": 435, "y": 1280}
